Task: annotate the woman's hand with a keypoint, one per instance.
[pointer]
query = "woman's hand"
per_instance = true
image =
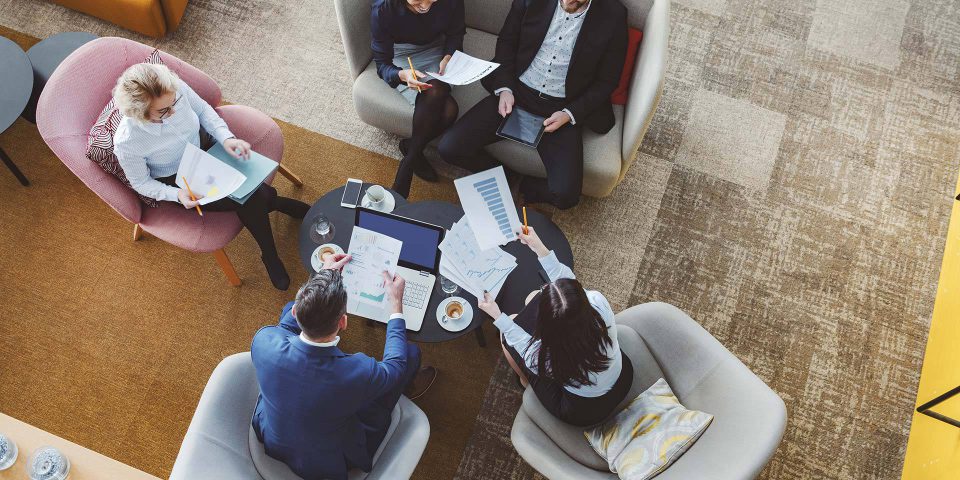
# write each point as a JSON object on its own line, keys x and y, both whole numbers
{"x": 410, "y": 77}
{"x": 237, "y": 148}
{"x": 532, "y": 240}
{"x": 336, "y": 261}
{"x": 443, "y": 64}
{"x": 489, "y": 305}
{"x": 184, "y": 196}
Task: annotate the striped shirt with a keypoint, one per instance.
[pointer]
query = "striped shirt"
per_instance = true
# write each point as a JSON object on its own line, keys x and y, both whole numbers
{"x": 147, "y": 150}
{"x": 519, "y": 339}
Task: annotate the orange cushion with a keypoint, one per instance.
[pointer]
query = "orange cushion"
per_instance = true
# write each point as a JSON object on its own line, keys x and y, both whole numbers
{"x": 144, "y": 16}
{"x": 619, "y": 96}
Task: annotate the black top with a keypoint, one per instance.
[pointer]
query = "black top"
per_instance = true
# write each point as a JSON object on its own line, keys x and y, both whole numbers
{"x": 595, "y": 66}
{"x": 392, "y": 22}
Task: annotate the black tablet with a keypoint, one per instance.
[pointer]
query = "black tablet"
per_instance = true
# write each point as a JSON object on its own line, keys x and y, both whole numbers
{"x": 522, "y": 126}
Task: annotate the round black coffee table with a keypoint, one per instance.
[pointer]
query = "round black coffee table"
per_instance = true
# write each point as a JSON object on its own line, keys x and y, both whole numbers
{"x": 45, "y": 57}
{"x": 16, "y": 83}
{"x": 528, "y": 275}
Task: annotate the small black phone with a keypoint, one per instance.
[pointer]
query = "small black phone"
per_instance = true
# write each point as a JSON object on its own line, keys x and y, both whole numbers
{"x": 351, "y": 193}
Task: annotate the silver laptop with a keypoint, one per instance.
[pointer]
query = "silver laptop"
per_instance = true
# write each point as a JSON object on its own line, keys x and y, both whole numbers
{"x": 418, "y": 264}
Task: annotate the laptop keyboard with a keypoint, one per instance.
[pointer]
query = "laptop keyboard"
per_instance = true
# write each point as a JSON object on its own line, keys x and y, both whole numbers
{"x": 415, "y": 295}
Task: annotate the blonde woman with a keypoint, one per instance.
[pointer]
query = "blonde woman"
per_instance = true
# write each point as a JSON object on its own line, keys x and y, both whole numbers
{"x": 161, "y": 115}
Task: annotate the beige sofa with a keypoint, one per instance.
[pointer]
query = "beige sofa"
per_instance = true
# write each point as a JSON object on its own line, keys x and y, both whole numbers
{"x": 606, "y": 157}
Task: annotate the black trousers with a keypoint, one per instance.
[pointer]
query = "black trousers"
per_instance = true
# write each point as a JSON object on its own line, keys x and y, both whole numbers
{"x": 560, "y": 402}
{"x": 254, "y": 214}
{"x": 561, "y": 151}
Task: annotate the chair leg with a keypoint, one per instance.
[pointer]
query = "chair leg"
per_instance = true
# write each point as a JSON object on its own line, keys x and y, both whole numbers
{"x": 290, "y": 175}
{"x": 13, "y": 169}
{"x": 137, "y": 232}
{"x": 227, "y": 267}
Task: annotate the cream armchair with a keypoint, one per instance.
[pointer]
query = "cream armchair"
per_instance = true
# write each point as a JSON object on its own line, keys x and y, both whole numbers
{"x": 606, "y": 157}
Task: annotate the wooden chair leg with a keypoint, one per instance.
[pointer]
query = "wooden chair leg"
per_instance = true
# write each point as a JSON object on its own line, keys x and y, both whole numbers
{"x": 137, "y": 232}
{"x": 290, "y": 175}
{"x": 227, "y": 267}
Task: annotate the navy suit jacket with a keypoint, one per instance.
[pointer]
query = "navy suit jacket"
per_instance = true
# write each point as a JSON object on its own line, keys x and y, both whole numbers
{"x": 311, "y": 411}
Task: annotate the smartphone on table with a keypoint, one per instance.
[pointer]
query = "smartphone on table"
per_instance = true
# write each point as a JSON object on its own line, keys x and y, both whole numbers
{"x": 351, "y": 193}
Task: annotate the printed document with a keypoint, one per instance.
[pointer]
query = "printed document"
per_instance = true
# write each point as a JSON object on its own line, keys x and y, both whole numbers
{"x": 207, "y": 175}
{"x": 471, "y": 268}
{"x": 463, "y": 69}
{"x": 486, "y": 200}
{"x": 372, "y": 253}
{"x": 256, "y": 168}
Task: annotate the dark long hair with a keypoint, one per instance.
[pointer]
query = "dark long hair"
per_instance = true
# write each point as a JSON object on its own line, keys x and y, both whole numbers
{"x": 573, "y": 337}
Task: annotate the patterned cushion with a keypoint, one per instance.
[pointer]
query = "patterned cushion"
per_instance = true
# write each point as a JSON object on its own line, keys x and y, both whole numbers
{"x": 650, "y": 434}
{"x": 100, "y": 141}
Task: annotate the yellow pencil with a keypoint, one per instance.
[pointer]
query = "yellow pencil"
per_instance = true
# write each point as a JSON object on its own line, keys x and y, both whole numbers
{"x": 191, "y": 194}
{"x": 414, "y": 73}
{"x": 526, "y": 231}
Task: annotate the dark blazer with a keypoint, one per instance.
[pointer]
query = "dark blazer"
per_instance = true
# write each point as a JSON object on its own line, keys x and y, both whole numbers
{"x": 595, "y": 66}
{"x": 391, "y": 24}
{"x": 306, "y": 415}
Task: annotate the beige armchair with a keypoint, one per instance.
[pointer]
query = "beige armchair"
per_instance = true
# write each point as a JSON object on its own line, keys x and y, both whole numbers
{"x": 606, "y": 157}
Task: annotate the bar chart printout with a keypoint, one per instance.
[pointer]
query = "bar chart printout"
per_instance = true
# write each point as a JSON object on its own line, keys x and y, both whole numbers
{"x": 489, "y": 207}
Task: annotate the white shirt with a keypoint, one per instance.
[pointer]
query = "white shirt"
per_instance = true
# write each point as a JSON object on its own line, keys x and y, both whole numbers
{"x": 147, "y": 151}
{"x": 519, "y": 339}
{"x": 336, "y": 340}
{"x": 547, "y": 72}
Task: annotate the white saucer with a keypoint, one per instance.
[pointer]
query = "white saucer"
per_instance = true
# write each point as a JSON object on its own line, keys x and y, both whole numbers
{"x": 389, "y": 203}
{"x": 315, "y": 261}
{"x": 460, "y": 323}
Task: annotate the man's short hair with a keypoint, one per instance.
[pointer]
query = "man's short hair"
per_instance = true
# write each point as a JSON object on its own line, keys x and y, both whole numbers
{"x": 320, "y": 303}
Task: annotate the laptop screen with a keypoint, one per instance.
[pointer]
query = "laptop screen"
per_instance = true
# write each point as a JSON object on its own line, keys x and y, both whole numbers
{"x": 421, "y": 241}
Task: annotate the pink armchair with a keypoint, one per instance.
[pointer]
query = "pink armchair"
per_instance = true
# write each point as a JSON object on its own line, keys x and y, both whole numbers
{"x": 70, "y": 104}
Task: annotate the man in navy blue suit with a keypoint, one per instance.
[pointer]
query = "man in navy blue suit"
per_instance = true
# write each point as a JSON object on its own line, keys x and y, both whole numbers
{"x": 322, "y": 411}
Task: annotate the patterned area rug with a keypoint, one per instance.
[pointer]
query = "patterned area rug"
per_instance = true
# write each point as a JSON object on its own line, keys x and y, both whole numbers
{"x": 792, "y": 194}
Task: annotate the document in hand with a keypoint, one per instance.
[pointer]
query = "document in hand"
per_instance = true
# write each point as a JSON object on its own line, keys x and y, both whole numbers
{"x": 475, "y": 270}
{"x": 463, "y": 69}
{"x": 207, "y": 175}
{"x": 372, "y": 253}
{"x": 256, "y": 168}
{"x": 486, "y": 200}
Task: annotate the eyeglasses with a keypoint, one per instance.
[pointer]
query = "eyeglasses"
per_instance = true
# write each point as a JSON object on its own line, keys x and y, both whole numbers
{"x": 165, "y": 112}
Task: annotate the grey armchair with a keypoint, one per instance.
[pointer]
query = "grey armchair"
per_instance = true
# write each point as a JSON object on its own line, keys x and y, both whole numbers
{"x": 220, "y": 443}
{"x": 662, "y": 341}
{"x": 606, "y": 157}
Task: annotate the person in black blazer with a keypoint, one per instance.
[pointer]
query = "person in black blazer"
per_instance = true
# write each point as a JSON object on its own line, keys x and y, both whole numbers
{"x": 560, "y": 59}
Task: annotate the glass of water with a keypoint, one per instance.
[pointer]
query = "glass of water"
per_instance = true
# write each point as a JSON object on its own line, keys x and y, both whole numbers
{"x": 48, "y": 463}
{"x": 448, "y": 286}
{"x": 322, "y": 230}
{"x": 8, "y": 452}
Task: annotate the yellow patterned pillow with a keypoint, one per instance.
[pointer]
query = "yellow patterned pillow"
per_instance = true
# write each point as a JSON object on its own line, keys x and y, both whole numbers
{"x": 650, "y": 434}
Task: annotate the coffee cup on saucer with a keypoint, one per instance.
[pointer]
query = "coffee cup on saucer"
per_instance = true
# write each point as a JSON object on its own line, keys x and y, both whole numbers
{"x": 378, "y": 198}
{"x": 322, "y": 253}
{"x": 454, "y": 314}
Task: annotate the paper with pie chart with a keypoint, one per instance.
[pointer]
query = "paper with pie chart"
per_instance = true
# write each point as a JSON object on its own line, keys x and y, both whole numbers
{"x": 372, "y": 253}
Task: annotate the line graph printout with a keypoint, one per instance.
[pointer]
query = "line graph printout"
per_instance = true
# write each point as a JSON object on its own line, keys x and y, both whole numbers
{"x": 473, "y": 269}
{"x": 486, "y": 200}
{"x": 372, "y": 253}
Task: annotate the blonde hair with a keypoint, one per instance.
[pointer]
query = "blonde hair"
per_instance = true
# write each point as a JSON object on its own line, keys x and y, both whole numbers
{"x": 139, "y": 85}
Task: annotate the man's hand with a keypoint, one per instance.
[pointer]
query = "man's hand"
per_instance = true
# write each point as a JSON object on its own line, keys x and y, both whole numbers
{"x": 411, "y": 78}
{"x": 336, "y": 261}
{"x": 489, "y": 305}
{"x": 443, "y": 64}
{"x": 506, "y": 103}
{"x": 184, "y": 196}
{"x": 239, "y": 149}
{"x": 394, "y": 287}
{"x": 555, "y": 121}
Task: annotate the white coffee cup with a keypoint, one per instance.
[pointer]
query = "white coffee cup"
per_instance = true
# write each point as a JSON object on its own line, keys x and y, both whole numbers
{"x": 377, "y": 195}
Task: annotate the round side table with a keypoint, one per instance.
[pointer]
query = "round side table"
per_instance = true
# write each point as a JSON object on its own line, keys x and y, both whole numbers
{"x": 16, "y": 83}
{"x": 45, "y": 57}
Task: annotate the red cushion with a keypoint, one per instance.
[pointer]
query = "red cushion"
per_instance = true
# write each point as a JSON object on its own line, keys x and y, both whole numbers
{"x": 619, "y": 96}
{"x": 100, "y": 142}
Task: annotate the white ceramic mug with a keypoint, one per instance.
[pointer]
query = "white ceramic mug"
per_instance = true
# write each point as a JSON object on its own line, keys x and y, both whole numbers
{"x": 377, "y": 195}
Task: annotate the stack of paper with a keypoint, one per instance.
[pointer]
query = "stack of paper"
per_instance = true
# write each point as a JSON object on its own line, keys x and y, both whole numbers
{"x": 207, "y": 175}
{"x": 257, "y": 168}
{"x": 472, "y": 268}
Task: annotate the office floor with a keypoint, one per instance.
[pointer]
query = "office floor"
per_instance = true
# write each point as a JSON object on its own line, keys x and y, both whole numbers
{"x": 792, "y": 195}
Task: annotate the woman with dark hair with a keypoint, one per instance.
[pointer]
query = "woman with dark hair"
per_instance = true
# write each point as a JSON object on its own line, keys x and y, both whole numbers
{"x": 427, "y": 32}
{"x": 564, "y": 344}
